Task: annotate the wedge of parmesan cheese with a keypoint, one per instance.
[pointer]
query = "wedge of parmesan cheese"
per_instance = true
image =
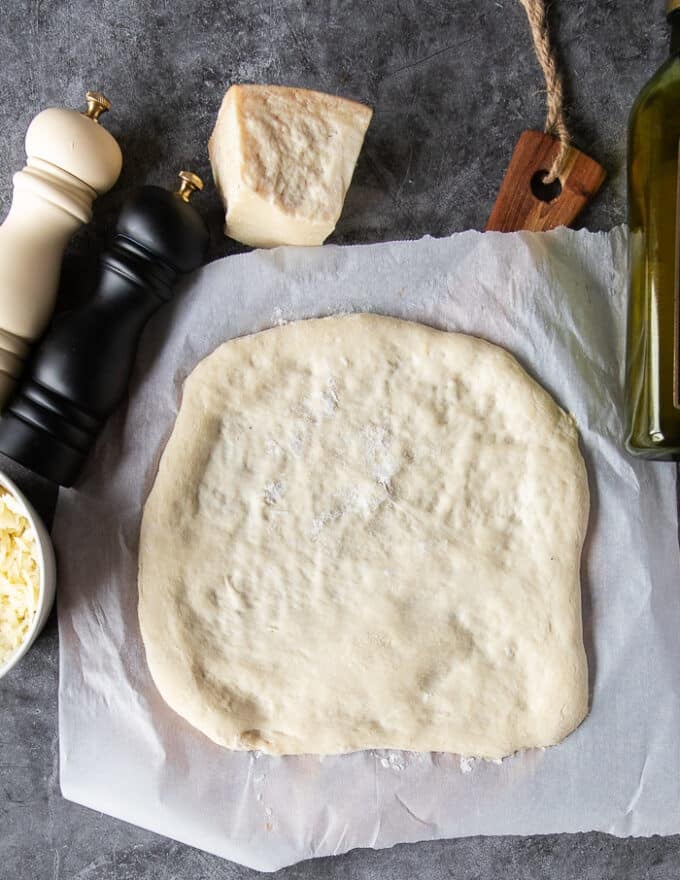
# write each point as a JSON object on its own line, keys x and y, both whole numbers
{"x": 283, "y": 160}
{"x": 19, "y": 576}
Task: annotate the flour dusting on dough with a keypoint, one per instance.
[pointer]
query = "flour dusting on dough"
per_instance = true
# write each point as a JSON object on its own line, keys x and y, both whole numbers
{"x": 359, "y": 539}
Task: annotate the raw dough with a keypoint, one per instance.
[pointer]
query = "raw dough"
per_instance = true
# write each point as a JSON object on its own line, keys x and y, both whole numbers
{"x": 366, "y": 533}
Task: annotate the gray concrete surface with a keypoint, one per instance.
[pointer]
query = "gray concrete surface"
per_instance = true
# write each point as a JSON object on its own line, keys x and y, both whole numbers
{"x": 453, "y": 83}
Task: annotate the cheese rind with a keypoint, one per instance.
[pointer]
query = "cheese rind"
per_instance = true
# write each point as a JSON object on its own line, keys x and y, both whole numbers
{"x": 283, "y": 160}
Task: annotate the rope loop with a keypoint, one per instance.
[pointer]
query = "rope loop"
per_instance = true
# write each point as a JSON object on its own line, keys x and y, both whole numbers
{"x": 555, "y": 122}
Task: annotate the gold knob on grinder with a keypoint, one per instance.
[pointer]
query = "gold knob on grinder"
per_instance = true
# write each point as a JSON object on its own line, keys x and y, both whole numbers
{"x": 96, "y": 105}
{"x": 190, "y": 183}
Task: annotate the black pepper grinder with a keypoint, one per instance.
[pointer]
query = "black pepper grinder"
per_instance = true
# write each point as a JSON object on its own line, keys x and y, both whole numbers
{"x": 82, "y": 366}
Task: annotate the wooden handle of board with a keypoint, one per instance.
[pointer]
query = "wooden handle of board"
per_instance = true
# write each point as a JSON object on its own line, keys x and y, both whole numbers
{"x": 525, "y": 202}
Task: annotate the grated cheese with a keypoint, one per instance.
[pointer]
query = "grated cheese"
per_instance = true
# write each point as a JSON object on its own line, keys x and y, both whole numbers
{"x": 19, "y": 576}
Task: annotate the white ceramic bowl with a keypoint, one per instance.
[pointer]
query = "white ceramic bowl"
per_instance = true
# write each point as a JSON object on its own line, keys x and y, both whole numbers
{"x": 48, "y": 573}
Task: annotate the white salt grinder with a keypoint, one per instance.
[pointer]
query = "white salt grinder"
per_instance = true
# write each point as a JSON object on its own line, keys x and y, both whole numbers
{"x": 71, "y": 160}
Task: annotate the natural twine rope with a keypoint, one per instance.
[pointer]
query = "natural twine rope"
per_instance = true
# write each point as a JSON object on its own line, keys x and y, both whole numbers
{"x": 555, "y": 123}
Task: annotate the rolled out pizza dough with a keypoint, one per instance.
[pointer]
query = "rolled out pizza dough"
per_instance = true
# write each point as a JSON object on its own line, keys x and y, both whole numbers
{"x": 366, "y": 533}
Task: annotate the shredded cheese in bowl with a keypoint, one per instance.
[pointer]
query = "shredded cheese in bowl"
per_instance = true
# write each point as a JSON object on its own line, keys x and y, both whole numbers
{"x": 19, "y": 576}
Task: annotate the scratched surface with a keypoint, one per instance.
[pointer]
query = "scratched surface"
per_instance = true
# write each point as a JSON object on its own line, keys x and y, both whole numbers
{"x": 453, "y": 83}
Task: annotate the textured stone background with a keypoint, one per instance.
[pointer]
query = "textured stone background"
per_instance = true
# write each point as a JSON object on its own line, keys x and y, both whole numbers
{"x": 453, "y": 83}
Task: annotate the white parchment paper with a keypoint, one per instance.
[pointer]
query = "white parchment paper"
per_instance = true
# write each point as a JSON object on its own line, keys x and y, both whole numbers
{"x": 556, "y": 300}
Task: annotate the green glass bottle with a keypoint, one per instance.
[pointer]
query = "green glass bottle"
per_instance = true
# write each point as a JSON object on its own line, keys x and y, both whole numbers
{"x": 653, "y": 337}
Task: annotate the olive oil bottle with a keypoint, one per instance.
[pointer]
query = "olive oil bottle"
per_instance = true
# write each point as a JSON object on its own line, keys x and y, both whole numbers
{"x": 653, "y": 337}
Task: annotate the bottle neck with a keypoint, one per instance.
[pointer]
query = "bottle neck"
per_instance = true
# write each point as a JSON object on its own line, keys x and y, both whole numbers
{"x": 674, "y": 21}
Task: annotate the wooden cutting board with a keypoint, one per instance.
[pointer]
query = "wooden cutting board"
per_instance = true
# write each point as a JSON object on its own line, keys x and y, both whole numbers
{"x": 525, "y": 202}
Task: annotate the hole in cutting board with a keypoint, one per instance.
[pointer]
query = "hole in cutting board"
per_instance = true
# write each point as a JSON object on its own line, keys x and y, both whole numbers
{"x": 545, "y": 192}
